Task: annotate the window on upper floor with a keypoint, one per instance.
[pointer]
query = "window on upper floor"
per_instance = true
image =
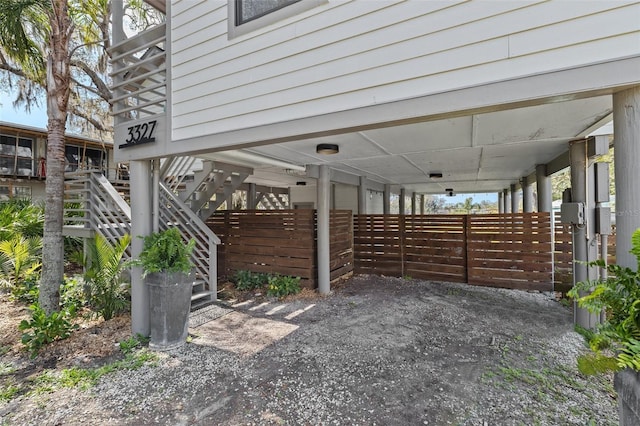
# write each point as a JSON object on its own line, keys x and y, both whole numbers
{"x": 78, "y": 157}
{"x": 248, "y": 10}
{"x": 249, "y": 15}
{"x": 16, "y": 156}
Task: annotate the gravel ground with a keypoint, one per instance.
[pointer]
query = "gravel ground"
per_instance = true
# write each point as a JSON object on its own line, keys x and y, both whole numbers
{"x": 379, "y": 351}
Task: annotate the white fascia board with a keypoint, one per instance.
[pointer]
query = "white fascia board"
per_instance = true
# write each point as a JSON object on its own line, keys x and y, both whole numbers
{"x": 557, "y": 86}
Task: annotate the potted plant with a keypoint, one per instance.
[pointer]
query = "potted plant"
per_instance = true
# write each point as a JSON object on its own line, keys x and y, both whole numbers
{"x": 619, "y": 297}
{"x": 167, "y": 270}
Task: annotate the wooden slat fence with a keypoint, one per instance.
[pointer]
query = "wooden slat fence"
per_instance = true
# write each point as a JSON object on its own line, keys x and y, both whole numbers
{"x": 510, "y": 250}
{"x": 341, "y": 243}
{"x": 435, "y": 247}
{"x": 280, "y": 242}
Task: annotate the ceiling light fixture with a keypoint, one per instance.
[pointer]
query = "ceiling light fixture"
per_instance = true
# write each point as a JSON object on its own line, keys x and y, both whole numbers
{"x": 327, "y": 148}
{"x": 435, "y": 175}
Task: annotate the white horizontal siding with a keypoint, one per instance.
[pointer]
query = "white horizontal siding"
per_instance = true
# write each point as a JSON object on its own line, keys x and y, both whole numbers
{"x": 342, "y": 56}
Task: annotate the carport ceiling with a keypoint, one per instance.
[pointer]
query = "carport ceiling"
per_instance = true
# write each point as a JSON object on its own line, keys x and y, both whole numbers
{"x": 475, "y": 153}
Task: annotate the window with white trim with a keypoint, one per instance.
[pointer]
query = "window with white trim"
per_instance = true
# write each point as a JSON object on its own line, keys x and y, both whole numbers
{"x": 249, "y": 15}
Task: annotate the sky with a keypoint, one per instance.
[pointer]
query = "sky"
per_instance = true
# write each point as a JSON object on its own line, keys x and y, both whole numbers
{"x": 37, "y": 117}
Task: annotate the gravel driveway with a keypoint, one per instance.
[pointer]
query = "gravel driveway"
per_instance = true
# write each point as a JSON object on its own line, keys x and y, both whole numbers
{"x": 382, "y": 351}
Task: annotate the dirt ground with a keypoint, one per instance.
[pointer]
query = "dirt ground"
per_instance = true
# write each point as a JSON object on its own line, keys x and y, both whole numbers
{"x": 384, "y": 351}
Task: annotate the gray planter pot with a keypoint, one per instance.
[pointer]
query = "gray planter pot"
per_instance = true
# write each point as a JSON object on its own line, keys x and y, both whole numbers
{"x": 627, "y": 384}
{"x": 169, "y": 306}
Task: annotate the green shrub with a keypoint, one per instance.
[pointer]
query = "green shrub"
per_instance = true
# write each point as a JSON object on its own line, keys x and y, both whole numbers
{"x": 619, "y": 297}
{"x": 43, "y": 328}
{"x": 247, "y": 280}
{"x": 105, "y": 289}
{"x": 283, "y": 285}
{"x": 165, "y": 251}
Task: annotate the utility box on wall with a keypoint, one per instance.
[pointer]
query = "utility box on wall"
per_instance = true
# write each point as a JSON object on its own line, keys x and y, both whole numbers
{"x": 572, "y": 213}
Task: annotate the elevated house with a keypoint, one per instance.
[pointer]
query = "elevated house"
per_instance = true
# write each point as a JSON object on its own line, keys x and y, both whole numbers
{"x": 23, "y": 152}
{"x": 332, "y": 102}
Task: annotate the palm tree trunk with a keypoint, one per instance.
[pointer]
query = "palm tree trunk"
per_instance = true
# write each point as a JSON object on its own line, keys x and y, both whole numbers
{"x": 58, "y": 82}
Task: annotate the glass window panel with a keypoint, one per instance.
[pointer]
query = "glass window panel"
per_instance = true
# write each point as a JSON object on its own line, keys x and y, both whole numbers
{"x": 248, "y": 10}
{"x": 4, "y": 193}
{"x": 6, "y": 165}
{"x": 22, "y": 191}
{"x": 25, "y": 167}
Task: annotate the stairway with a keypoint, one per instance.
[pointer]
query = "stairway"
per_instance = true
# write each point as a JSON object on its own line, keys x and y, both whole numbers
{"x": 93, "y": 206}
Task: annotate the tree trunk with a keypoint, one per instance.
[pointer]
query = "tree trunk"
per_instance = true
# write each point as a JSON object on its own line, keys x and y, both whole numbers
{"x": 58, "y": 81}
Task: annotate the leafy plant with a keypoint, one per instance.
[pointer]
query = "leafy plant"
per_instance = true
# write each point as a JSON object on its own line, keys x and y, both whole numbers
{"x": 128, "y": 345}
{"x": 165, "y": 251}
{"x": 19, "y": 262}
{"x": 619, "y": 296}
{"x": 283, "y": 285}
{"x": 43, "y": 328}
{"x": 247, "y": 280}
{"x": 105, "y": 288}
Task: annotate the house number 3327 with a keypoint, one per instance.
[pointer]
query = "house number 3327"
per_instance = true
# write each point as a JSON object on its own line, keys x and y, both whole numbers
{"x": 141, "y": 133}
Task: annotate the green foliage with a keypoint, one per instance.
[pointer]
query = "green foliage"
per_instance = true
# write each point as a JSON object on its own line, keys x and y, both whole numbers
{"x": 43, "y": 328}
{"x": 72, "y": 293}
{"x": 128, "y": 345}
{"x": 247, "y": 280}
{"x": 8, "y": 391}
{"x": 20, "y": 217}
{"x": 283, "y": 285}
{"x": 106, "y": 291}
{"x": 19, "y": 261}
{"x": 592, "y": 364}
{"x": 619, "y": 296}
{"x": 165, "y": 251}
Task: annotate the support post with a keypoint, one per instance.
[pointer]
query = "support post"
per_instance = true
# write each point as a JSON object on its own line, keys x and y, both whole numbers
{"x": 421, "y": 203}
{"x": 155, "y": 188}
{"x": 527, "y": 196}
{"x": 402, "y": 201}
{"x": 386, "y": 201}
{"x": 251, "y": 197}
{"x": 583, "y": 235}
{"x": 507, "y": 201}
{"x": 413, "y": 203}
{"x": 500, "y": 202}
{"x": 141, "y": 225}
{"x": 324, "y": 273}
{"x": 515, "y": 199}
{"x": 543, "y": 185}
{"x": 626, "y": 130}
{"x": 362, "y": 196}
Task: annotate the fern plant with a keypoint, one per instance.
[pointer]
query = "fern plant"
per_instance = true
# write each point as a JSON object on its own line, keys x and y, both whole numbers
{"x": 619, "y": 296}
{"x": 106, "y": 291}
{"x": 165, "y": 251}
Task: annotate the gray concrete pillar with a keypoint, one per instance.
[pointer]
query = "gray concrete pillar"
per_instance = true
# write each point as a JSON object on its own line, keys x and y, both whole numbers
{"x": 421, "y": 203}
{"x": 413, "y": 203}
{"x": 402, "y": 201}
{"x": 155, "y": 188}
{"x": 251, "y": 197}
{"x": 543, "y": 186}
{"x": 362, "y": 196}
{"x": 386, "y": 201}
{"x": 527, "y": 196}
{"x": 507, "y": 201}
{"x": 581, "y": 239}
{"x": 141, "y": 225}
{"x": 324, "y": 189}
{"x": 500, "y": 202}
{"x": 626, "y": 131}
{"x": 515, "y": 198}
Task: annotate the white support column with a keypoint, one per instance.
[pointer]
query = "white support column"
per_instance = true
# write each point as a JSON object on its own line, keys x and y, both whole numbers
{"x": 527, "y": 196}
{"x": 581, "y": 238}
{"x": 324, "y": 273}
{"x": 421, "y": 203}
{"x": 362, "y": 196}
{"x": 402, "y": 201}
{"x": 413, "y": 203}
{"x": 543, "y": 185}
{"x": 155, "y": 189}
{"x": 141, "y": 225}
{"x": 386, "y": 201}
{"x": 515, "y": 199}
{"x": 507, "y": 201}
{"x": 500, "y": 202}
{"x": 626, "y": 131}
